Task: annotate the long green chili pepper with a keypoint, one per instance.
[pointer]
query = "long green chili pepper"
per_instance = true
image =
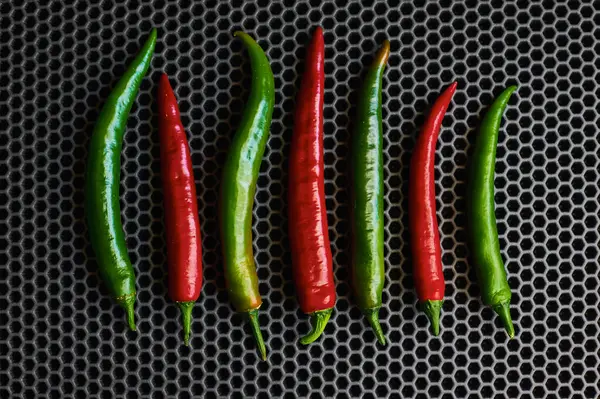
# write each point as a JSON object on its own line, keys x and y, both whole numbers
{"x": 367, "y": 202}
{"x": 239, "y": 185}
{"x": 485, "y": 246}
{"x": 102, "y": 183}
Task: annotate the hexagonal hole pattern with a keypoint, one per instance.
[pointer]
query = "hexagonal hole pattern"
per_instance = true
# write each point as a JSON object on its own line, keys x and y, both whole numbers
{"x": 61, "y": 335}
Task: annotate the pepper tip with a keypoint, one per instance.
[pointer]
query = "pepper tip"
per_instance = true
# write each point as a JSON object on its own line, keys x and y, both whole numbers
{"x": 432, "y": 309}
{"x": 384, "y": 52}
{"x": 164, "y": 83}
{"x": 372, "y": 316}
{"x": 245, "y": 38}
{"x": 453, "y": 86}
{"x": 503, "y": 311}
{"x": 505, "y": 95}
{"x": 319, "y": 320}
{"x": 152, "y": 37}
{"x": 131, "y": 320}
{"x": 127, "y": 303}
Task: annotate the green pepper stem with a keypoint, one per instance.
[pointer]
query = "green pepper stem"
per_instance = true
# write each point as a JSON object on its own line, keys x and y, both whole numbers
{"x": 319, "y": 320}
{"x": 503, "y": 310}
{"x": 127, "y": 302}
{"x": 253, "y": 315}
{"x": 372, "y": 316}
{"x": 186, "y": 317}
{"x": 432, "y": 309}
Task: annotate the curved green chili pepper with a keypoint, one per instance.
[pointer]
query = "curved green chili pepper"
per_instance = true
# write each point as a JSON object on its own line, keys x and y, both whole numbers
{"x": 102, "y": 183}
{"x": 367, "y": 193}
{"x": 239, "y": 185}
{"x": 485, "y": 246}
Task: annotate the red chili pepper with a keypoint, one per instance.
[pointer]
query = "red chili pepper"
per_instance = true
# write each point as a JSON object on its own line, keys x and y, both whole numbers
{"x": 309, "y": 236}
{"x": 425, "y": 237}
{"x": 184, "y": 246}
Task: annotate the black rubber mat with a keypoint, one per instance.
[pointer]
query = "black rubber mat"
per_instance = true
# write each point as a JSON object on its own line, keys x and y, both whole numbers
{"x": 61, "y": 335}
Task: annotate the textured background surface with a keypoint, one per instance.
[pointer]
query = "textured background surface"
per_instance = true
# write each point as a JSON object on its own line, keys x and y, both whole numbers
{"x": 61, "y": 335}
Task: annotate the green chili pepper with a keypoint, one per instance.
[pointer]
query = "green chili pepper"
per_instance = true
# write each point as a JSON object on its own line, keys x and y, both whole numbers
{"x": 485, "y": 246}
{"x": 367, "y": 195}
{"x": 102, "y": 184}
{"x": 239, "y": 185}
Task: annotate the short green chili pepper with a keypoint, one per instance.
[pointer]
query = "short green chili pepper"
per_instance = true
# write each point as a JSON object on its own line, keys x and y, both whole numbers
{"x": 485, "y": 246}
{"x": 102, "y": 183}
{"x": 367, "y": 195}
{"x": 240, "y": 175}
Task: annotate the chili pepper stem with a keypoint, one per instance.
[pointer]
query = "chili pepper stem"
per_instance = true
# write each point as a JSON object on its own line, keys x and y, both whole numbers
{"x": 432, "y": 309}
{"x": 503, "y": 311}
{"x": 186, "y": 317}
{"x": 127, "y": 303}
{"x": 253, "y": 315}
{"x": 372, "y": 316}
{"x": 319, "y": 320}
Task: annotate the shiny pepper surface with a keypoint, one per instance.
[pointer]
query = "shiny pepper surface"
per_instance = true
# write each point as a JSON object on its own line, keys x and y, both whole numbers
{"x": 184, "y": 243}
{"x": 238, "y": 187}
{"x": 367, "y": 195}
{"x": 424, "y": 232}
{"x": 485, "y": 245}
{"x": 309, "y": 235}
{"x": 102, "y": 208}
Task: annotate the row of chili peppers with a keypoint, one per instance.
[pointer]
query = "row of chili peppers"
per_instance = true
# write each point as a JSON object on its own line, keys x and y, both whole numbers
{"x": 310, "y": 246}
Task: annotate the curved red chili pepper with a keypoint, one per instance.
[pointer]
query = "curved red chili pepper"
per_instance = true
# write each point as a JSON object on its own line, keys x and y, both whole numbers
{"x": 309, "y": 236}
{"x": 184, "y": 246}
{"x": 425, "y": 236}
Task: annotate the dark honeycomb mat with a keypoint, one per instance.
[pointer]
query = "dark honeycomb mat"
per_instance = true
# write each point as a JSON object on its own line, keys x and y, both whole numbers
{"x": 60, "y": 334}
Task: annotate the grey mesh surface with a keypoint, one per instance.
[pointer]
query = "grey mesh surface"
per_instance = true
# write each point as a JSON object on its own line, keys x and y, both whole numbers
{"x": 61, "y": 336}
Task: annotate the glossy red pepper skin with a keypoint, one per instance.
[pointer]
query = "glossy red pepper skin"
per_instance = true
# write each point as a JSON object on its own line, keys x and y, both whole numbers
{"x": 424, "y": 233}
{"x": 309, "y": 234}
{"x": 184, "y": 244}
